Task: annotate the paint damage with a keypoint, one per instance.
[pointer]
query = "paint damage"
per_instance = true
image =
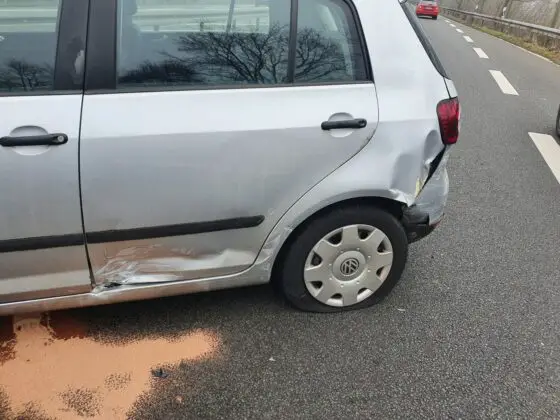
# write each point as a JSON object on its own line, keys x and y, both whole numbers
{"x": 433, "y": 196}
{"x": 159, "y": 264}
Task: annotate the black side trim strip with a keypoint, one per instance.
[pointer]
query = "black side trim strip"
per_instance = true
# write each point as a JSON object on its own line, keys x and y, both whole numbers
{"x": 173, "y": 230}
{"x": 42, "y": 242}
{"x": 76, "y": 239}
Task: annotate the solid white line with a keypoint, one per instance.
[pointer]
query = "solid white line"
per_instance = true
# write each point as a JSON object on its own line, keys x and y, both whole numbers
{"x": 535, "y": 54}
{"x": 480, "y": 52}
{"x": 503, "y": 83}
{"x": 550, "y": 151}
{"x": 459, "y": 30}
{"x": 453, "y": 26}
{"x": 468, "y": 38}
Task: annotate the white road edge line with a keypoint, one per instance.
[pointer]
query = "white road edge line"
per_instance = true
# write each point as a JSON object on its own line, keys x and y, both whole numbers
{"x": 532, "y": 53}
{"x": 453, "y": 26}
{"x": 468, "y": 39}
{"x": 480, "y": 52}
{"x": 503, "y": 82}
{"x": 459, "y": 30}
{"x": 550, "y": 151}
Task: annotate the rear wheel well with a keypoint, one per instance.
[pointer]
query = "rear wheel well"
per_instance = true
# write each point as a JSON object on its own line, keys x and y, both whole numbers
{"x": 393, "y": 207}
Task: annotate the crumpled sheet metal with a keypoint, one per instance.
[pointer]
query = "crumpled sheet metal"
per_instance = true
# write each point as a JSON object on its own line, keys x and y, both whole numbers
{"x": 158, "y": 264}
{"x": 433, "y": 196}
{"x": 154, "y": 264}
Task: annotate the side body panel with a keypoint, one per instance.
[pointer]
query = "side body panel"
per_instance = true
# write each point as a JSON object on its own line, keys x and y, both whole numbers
{"x": 40, "y": 205}
{"x": 42, "y": 251}
{"x": 396, "y": 162}
{"x": 184, "y": 158}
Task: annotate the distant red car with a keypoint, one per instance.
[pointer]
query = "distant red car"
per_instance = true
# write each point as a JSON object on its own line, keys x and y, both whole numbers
{"x": 427, "y": 8}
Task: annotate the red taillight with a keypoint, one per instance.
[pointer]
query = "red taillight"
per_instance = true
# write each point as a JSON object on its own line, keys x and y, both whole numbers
{"x": 449, "y": 115}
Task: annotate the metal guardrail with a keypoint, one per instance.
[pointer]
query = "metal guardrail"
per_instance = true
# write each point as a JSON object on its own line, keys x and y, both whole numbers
{"x": 545, "y": 29}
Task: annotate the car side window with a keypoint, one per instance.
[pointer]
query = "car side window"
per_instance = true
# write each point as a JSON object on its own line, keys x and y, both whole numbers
{"x": 211, "y": 43}
{"x": 28, "y": 43}
{"x": 328, "y": 43}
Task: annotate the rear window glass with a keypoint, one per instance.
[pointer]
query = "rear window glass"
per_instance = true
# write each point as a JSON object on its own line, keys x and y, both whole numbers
{"x": 237, "y": 42}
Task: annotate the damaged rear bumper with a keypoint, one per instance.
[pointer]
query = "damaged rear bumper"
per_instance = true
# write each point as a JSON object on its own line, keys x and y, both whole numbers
{"x": 421, "y": 218}
{"x": 417, "y": 224}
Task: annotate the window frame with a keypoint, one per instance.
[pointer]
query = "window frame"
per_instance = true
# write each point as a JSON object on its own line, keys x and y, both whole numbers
{"x": 101, "y": 56}
{"x": 72, "y": 21}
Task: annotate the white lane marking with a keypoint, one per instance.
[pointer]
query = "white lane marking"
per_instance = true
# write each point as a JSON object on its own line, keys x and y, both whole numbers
{"x": 459, "y": 30}
{"x": 468, "y": 38}
{"x": 446, "y": 21}
{"x": 453, "y": 26}
{"x": 550, "y": 151}
{"x": 480, "y": 52}
{"x": 503, "y": 82}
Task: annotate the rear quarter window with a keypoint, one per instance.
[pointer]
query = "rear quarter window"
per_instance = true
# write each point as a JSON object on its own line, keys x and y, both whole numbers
{"x": 232, "y": 43}
{"x": 329, "y": 45}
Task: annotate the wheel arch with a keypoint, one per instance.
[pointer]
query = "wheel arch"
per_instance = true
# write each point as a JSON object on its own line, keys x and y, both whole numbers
{"x": 392, "y": 206}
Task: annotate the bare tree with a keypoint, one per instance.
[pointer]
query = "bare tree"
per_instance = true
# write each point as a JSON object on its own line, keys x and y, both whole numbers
{"x": 166, "y": 71}
{"x": 318, "y": 58}
{"x": 238, "y": 57}
{"x": 21, "y": 75}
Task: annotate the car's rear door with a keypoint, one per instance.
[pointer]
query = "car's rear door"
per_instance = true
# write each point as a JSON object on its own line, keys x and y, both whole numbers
{"x": 212, "y": 128}
{"x": 42, "y": 251}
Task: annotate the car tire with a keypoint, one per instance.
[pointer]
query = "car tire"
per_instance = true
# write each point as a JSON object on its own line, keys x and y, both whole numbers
{"x": 434, "y": 17}
{"x": 296, "y": 284}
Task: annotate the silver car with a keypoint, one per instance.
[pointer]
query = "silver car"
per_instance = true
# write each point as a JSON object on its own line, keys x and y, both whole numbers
{"x": 165, "y": 148}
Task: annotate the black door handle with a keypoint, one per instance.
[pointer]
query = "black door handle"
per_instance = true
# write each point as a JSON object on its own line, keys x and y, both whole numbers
{"x": 334, "y": 125}
{"x": 41, "y": 140}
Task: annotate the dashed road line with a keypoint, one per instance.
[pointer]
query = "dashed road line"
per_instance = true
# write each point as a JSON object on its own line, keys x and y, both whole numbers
{"x": 550, "y": 151}
{"x": 453, "y": 26}
{"x": 503, "y": 82}
{"x": 446, "y": 21}
{"x": 468, "y": 39}
{"x": 480, "y": 52}
{"x": 459, "y": 30}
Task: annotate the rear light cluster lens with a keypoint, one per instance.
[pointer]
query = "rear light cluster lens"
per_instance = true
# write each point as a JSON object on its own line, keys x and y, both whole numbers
{"x": 449, "y": 115}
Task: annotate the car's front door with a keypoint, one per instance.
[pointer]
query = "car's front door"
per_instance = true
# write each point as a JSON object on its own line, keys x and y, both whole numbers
{"x": 42, "y": 251}
{"x": 212, "y": 129}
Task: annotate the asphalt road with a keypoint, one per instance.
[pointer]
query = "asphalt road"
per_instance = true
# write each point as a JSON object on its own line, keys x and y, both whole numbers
{"x": 472, "y": 331}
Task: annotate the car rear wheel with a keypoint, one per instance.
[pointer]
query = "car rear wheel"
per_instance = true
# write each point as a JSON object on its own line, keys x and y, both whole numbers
{"x": 434, "y": 17}
{"x": 347, "y": 259}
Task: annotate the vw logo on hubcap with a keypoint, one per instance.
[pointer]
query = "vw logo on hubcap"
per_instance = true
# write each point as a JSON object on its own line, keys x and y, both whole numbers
{"x": 349, "y": 266}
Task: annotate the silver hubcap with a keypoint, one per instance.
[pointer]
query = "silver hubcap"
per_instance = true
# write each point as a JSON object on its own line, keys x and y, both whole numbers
{"x": 348, "y": 265}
